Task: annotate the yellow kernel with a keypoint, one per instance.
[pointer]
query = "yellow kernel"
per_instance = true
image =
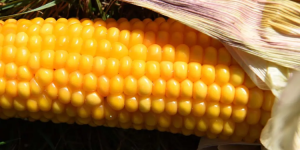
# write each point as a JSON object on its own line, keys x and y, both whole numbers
{"x": 138, "y": 52}
{"x": 104, "y": 48}
{"x": 208, "y": 74}
{"x": 116, "y": 85}
{"x": 137, "y": 118}
{"x": 35, "y": 44}
{"x": 6, "y": 102}
{"x": 180, "y": 71}
{"x": 138, "y": 68}
{"x": 152, "y": 70}
{"x": 172, "y": 89}
{"x": 157, "y": 104}
{"x": 21, "y": 39}
{"x": 38, "y": 20}
{"x": 89, "y": 47}
{"x": 222, "y": 74}
{"x": 227, "y": 93}
{"x": 9, "y": 39}
{"x": 124, "y": 116}
{"x": 87, "y": 22}
{"x": 213, "y": 109}
{"x": 184, "y": 107}
{"x": 166, "y": 70}
{"x": 241, "y": 95}
{"x": 11, "y": 88}
{"x": 210, "y": 56}
{"x": 177, "y": 121}
{"x": 98, "y": 66}
{"x": 60, "y": 59}
{"x": 144, "y": 104}
{"x": 125, "y": 26}
{"x": 64, "y": 95}
{"x": 216, "y": 43}
{"x": 23, "y": 89}
{"x": 177, "y": 26}
{"x": 168, "y": 53}
{"x": 98, "y": 112}
{"x": 239, "y": 113}
{"x": 113, "y": 34}
{"x": 253, "y": 116}
{"x": 147, "y": 20}
{"x": 150, "y": 119}
{"x": 131, "y": 104}
{"x": 8, "y": 54}
{"x": 186, "y": 89}
{"x": 130, "y": 86}
{"x": 118, "y": 50}
{"x": 144, "y": 86}
{"x": 164, "y": 26}
{"x": 176, "y": 38}
{"x": 248, "y": 82}
{"x": 237, "y": 75}
{"x": 171, "y": 106}
{"x": 139, "y": 25}
{"x": 46, "y": 29}
{"x": 33, "y": 30}
{"x": 44, "y": 76}
{"x": 76, "y": 79}
{"x": 2, "y": 68}
{"x": 50, "y": 20}
{"x": 116, "y": 102}
{"x": 149, "y": 39}
{"x": 100, "y": 32}
{"x": 136, "y": 38}
{"x": 35, "y": 88}
{"x": 57, "y": 107}
{"x": 265, "y": 116}
{"x": 22, "y": 56}
{"x": 23, "y": 25}
{"x": 60, "y": 29}
{"x": 255, "y": 132}
{"x": 19, "y": 104}
{"x": 87, "y": 32}
{"x": 216, "y": 125}
{"x": 52, "y": 91}
{"x": 84, "y": 111}
{"x": 93, "y": 99}
{"x": 71, "y": 110}
{"x": 152, "y": 26}
{"x": 61, "y": 77}
{"x": 89, "y": 82}
{"x": 120, "y": 20}
{"x": 189, "y": 122}
{"x": 77, "y": 98}
{"x": 112, "y": 67}
{"x": 170, "y": 20}
{"x": 44, "y": 103}
{"x": 164, "y": 120}
{"x": 11, "y": 70}
{"x": 154, "y": 53}
{"x": 194, "y": 71}
{"x": 47, "y": 59}
{"x": 162, "y": 38}
{"x": 214, "y": 92}
{"x": 103, "y": 86}
{"x": 125, "y": 66}
{"x": 268, "y": 102}
{"x": 62, "y": 43}
{"x": 160, "y": 20}
{"x": 159, "y": 87}
{"x": 85, "y": 64}
{"x": 190, "y": 38}
{"x": 75, "y": 45}
{"x": 224, "y": 57}
{"x": 124, "y": 37}
{"x": 256, "y": 97}
{"x": 75, "y": 30}
{"x": 198, "y": 108}
{"x": 199, "y": 90}
{"x": 228, "y": 128}
{"x": 225, "y": 111}
{"x": 32, "y": 105}
{"x": 72, "y": 62}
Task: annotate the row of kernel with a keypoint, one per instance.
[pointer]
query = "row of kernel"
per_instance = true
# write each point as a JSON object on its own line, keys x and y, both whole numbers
{"x": 150, "y": 121}
{"x": 58, "y": 100}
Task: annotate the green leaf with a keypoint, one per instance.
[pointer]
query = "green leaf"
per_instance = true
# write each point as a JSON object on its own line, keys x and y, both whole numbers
{"x": 48, "y": 5}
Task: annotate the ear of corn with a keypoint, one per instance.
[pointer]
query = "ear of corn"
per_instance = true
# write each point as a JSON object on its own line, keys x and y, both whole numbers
{"x": 131, "y": 74}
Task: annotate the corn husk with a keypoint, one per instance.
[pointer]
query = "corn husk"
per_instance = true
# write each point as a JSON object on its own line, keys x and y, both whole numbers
{"x": 264, "y": 37}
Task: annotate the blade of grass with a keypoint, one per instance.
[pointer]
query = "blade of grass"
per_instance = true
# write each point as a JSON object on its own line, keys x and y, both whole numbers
{"x": 48, "y": 5}
{"x": 47, "y": 139}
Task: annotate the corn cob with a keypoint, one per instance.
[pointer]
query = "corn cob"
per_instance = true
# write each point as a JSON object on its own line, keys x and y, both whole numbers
{"x": 139, "y": 74}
